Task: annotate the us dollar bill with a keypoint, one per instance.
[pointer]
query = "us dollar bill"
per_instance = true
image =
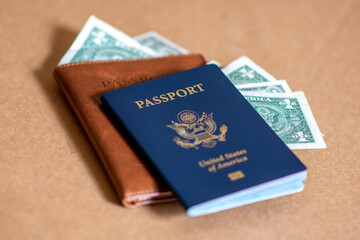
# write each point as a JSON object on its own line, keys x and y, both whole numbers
{"x": 243, "y": 71}
{"x": 280, "y": 86}
{"x": 98, "y": 41}
{"x": 290, "y": 116}
{"x": 160, "y": 44}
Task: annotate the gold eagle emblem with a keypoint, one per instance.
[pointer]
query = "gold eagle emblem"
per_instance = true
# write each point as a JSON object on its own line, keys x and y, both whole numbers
{"x": 196, "y": 130}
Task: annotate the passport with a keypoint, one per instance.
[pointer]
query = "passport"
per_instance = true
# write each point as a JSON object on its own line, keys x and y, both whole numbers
{"x": 208, "y": 143}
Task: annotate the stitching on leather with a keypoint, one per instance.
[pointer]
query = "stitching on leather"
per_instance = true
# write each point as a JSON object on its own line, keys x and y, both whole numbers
{"x": 126, "y": 60}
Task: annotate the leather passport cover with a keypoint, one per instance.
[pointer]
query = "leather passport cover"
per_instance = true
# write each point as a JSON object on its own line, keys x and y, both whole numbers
{"x": 210, "y": 145}
{"x": 83, "y": 83}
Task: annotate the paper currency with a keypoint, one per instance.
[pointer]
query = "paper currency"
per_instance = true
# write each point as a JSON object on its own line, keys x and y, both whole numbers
{"x": 160, "y": 44}
{"x": 268, "y": 87}
{"x": 290, "y": 116}
{"x": 98, "y": 40}
{"x": 243, "y": 70}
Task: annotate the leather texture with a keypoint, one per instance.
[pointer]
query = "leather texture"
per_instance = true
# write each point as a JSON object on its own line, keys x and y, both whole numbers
{"x": 83, "y": 83}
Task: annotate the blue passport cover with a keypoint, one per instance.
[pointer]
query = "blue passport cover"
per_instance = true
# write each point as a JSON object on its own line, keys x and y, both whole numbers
{"x": 206, "y": 140}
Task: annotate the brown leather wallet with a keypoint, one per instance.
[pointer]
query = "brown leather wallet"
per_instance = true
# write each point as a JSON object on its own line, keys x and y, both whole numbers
{"x": 83, "y": 83}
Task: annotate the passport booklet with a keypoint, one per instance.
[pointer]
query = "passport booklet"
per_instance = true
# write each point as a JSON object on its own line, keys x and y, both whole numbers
{"x": 209, "y": 144}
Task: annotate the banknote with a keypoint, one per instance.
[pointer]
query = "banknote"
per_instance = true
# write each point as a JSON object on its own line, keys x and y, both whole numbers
{"x": 160, "y": 44}
{"x": 280, "y": 86}
{"x": 243, "y": 70}
{"x": 98, "y": 40}
{"x": 217, "y": 63}
{"x": 290, "y": 116}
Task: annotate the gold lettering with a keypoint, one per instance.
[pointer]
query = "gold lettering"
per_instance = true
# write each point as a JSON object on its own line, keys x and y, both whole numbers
{"x": 226, "y": 164}
{"x": 140, "y": 104}
{"x": 224, "y": 161}
{"x": 235, "y": 154}
{"x": 236, "y": 175}
{"x": 182, "y": 90}
{"x": 211, "y": 161}
{"x": 242, "y": 159}
{"x": 171, "y": 95}
{"x": 164, "y": 98}
{"x": 191, "y": 90}
{"x": 212, "y": 169}
{"x": 148, "y": 102}
{"x": 156, "y": 100}
{"x": 199, "y": 87}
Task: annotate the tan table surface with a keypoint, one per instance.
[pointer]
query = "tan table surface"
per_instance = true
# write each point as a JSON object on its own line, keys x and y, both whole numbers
{"x": 52, "y": 184}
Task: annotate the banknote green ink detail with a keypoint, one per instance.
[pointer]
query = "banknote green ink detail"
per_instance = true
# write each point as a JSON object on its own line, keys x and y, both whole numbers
{"x": 285, "y": 117}
{"x": 246, "y": 74}
{"x": 157, "y": 45}
{"x": 266, "y": 89}
{"x": 101, "y": 46}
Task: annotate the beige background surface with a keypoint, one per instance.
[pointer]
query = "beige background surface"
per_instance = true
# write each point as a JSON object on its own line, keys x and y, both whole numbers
{"x": 52, "y": 185}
